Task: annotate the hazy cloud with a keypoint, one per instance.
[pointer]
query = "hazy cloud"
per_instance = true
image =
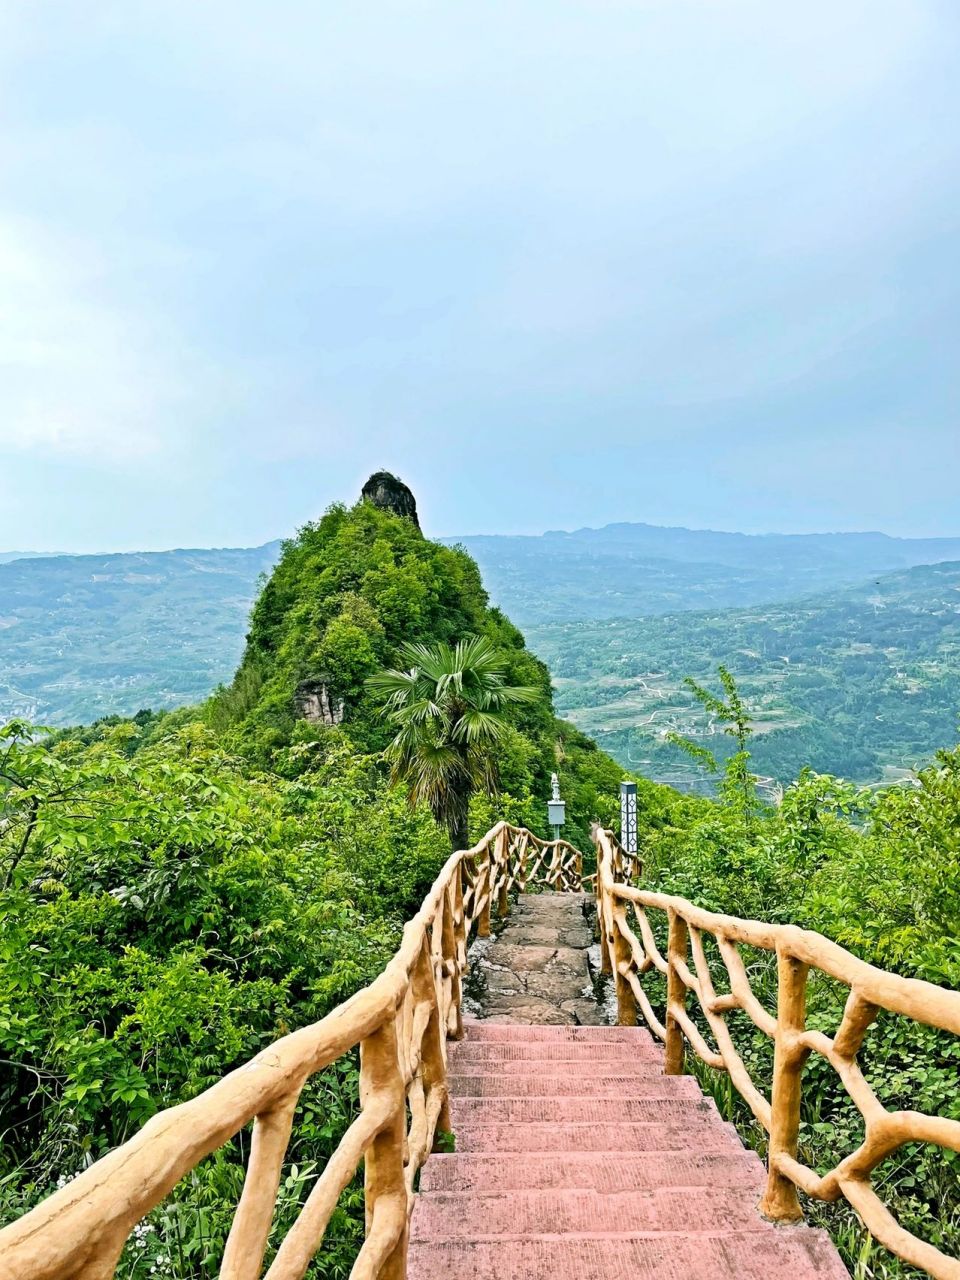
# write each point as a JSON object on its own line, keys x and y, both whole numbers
{"x": 76, "y": 379}
{"x": 555, "y": 263}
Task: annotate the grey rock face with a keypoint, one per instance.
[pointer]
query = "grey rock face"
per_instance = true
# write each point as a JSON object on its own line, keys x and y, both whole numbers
{"x": 391, "y": 494}
{"x": 536, "y": 970}
{"x": 315, "y": 702}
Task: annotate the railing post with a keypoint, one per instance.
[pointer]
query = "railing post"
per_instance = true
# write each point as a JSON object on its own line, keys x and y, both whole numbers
{"x": 555, "y": 873}
{"x": 606, "y": 964}
{"x": 384, "y": 1185}
{"x": 780, "y": 1200}
{"x": 606, "y": 968}
{"x": 622, "y": 955}
{"x": 501, "y": 860}
{"x": 450, "y": 948}
{"x": 433, "y": 1065}
{"x": 678, "y": 948}
{"x": 460, "y": 952}
{"x": 484, "y": 883}
{"x": 247, "y": 1241}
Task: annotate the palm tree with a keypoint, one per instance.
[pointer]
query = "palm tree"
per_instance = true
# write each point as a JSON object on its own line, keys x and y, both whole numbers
{"x": 448, "y": 706}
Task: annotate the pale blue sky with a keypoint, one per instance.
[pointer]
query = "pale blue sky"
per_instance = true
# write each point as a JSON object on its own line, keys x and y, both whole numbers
{"x": 556, "y": 262}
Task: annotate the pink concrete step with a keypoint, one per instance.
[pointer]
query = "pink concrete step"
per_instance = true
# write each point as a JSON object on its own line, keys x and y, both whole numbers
{"x": 693, "y": 1110}
{"x": 578, "y": 1159}
{"x": 521, "y": 1033}
{"x": 553, "y": 1051}
{"x": 474, "y": 1215}
{"x": 542, "y": 1082}
{"x": 783, "y": 1254}
{"x": 585, "y": 1068}
{"x": 599, "y": 1170}
{"x": 616, "y": 1138}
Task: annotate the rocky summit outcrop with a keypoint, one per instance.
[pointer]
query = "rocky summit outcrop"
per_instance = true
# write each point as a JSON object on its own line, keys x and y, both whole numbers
{"x": 391, "y": 494}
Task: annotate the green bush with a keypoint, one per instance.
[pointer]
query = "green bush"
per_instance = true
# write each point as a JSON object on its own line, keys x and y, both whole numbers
{"x": 179, "y": 890}
{"x": 879, "y": 873}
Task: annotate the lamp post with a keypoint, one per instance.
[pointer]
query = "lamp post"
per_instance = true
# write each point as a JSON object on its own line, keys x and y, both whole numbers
{"x": 628, "y": 816}
{"x": 556, "y": 808}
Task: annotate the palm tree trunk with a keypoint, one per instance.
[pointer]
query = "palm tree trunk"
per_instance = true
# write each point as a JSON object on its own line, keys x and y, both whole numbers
{"x": 458, "y": 823}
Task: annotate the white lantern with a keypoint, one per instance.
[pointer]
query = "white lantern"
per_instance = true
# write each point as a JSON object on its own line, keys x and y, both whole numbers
{"x": 556, "y": 808}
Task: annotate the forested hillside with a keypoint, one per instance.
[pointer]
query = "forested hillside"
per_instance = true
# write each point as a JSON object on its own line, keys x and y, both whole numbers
{"x": 89, "y": 636}
{"x": 178, "y": 890}
{"x": 863, "y": 682}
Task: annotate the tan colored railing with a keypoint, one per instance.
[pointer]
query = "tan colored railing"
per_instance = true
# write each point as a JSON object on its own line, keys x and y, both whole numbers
{"x": 628, "y": 956}
{"x": 401, "y": 1023}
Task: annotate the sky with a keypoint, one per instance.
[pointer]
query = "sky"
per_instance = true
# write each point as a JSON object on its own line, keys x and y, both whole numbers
{"x": 554, "y": 262}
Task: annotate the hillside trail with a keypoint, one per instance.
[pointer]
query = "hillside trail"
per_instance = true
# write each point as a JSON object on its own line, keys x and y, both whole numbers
{"x": 576, "y": 1158}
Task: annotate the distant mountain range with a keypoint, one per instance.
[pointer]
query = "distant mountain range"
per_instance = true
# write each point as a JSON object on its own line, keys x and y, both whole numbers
{"x": 86, "y": 636}
{"x": 636, "y": 570}
{"x": 7, "y": 556}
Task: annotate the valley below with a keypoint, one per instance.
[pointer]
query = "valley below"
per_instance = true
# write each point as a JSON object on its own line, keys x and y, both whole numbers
{"x": 862, "y": 682}
{"x": 848, "y": 658}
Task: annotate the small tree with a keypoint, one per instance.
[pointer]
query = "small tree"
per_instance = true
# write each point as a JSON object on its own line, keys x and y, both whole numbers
{"x": 449, "y": 709}
{"x": 739, "y": 785}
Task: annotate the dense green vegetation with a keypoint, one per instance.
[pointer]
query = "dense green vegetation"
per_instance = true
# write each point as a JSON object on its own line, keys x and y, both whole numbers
{"x": 178, "y": 890}
{"x": 862, "y": 682}
{"x": 165, "y": 915}
{"x": 876, "y": 871}
{"x": 345, "y": 598}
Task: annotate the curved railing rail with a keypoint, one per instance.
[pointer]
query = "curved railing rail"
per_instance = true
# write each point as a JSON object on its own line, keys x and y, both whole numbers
{"x": 401, "y": 1023}
{"x": 797, "y": 950}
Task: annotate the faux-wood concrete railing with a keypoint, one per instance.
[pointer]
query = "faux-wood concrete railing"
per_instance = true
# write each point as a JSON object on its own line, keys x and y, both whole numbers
{"x": 797, "y": 950}
{"x": 401, "y": 1023}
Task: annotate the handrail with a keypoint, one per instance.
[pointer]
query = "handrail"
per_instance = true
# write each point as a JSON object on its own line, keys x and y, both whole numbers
{"x": 401, "y": 1022}
{"x": 798, "y": 951}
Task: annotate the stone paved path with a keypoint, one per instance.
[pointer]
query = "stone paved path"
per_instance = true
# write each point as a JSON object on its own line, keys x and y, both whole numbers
{"x": 576, "y": 1158}
{"x": 537, "y": 969}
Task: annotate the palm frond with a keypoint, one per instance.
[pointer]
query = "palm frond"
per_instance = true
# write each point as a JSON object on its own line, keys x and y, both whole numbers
{"x": 447, "y": 707}
{"x": 415, "y": 712}
{"x": 474, "y": 725}
{"x": 479, "y": 654}
{"x": 514, "y": 693}
{"x": 392, "y": 683}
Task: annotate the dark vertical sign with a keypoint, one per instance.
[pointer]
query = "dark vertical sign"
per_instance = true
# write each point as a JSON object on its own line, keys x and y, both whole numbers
{"x": 628, "y": 816}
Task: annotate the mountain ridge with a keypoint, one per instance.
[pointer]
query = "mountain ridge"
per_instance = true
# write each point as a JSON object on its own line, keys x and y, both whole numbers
{"x": 862, "y": 681}
{"x": 93, "y": 635}
{"x": 635, "y": 570}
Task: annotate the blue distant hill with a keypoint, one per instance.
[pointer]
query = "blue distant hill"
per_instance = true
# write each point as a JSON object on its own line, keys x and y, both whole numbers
{"x": 84, "y": 636}
{"x": 7, "y": 556}
{"x": 87, "y": 636}
{"x": 638, "y": 570}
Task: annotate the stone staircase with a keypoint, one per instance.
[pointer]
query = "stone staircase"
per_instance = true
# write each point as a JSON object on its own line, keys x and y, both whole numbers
{"x": 577, "y": 1157}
